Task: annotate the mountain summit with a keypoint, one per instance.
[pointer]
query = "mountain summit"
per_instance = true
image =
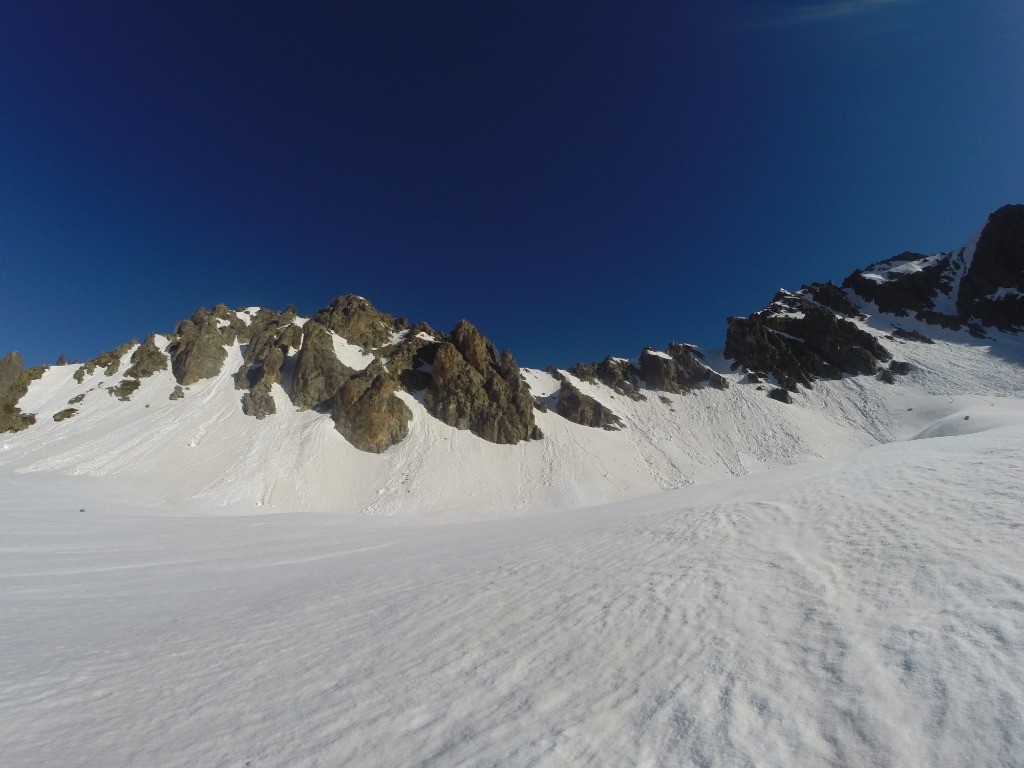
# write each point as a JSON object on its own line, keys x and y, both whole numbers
{"x": 354, "y": 409}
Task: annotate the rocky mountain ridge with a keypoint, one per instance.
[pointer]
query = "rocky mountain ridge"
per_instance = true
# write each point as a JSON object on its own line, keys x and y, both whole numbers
{"x": 353, "y": 363}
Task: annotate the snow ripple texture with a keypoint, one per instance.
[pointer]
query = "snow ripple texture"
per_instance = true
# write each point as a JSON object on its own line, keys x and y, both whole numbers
{"x": 864, "y": 611}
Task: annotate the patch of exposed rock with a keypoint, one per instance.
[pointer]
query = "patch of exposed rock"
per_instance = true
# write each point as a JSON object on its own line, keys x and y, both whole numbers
{"x": 899, "y": 292}
{"x": 614, "y": 372}
{"x": 358, "y": 322}
{"x": 798, "y": 340}
{"x": 14, "y": 381}
{"x": 472, "y": 388}
{"x": 583, "y": 409}
{"x": 67, "y": 413}
{"x": 198, "y": 351}
{"x": 318, "y": 372}
{"x": 147, "y": 359}
{"x": 992, "y": 289}
{"x": 411, "y": 359}
{"x": 368, "y": 413}
{"x": 781, "y": 395}
{"x": 899, "y": 333}
{"x": 679, "y": 369}
{"x": 110, "y": 362}
{"x": 177, "y": 393}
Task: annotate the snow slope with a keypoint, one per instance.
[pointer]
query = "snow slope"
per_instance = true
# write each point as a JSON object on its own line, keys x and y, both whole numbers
{"x": 858, "y": 611}
{"x": 202, "y": 454}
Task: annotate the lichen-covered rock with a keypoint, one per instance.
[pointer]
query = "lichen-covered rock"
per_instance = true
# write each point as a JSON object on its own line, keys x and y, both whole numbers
{"x": 125, "y": 389}
{"x": 472, "y": 388}
{"x": 368, "y": 413}
{"x": 147, "y": 359}
{"x": 583, "y": 409}
{"x": 318, "y": 372}
{"x": 110, "y": 362}
{"x": 177, "y": 393}
{"x": 198, "y": 353}
{"x": 259, "y": 402}
{"x": 799, "y": 341}
{"x": 781, "y": 395}
{"x": 67, "y": 413}
{"x": 14, "y": 381}
{"x": 358, "y": 322}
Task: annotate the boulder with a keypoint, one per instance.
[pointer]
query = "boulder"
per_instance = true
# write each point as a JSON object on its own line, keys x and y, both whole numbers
{"x": 781, "y": 395}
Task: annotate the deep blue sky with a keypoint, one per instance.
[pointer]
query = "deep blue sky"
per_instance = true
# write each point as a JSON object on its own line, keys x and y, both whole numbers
{"x": 576, "y": 178}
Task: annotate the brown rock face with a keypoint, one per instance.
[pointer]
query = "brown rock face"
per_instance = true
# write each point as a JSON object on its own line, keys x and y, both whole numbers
{"x": 620, "y": 375}
{"x": 199, "y": 351}
{"x": 367, "y": 411}
{"x": 583, "y": 409}
{"x": 147, "y": 359}
{"x": 14, "y": 381}
{"x": 679, "y": 369}
{"x": 472, "y": 388}
{"x": 110, "y": 362}
{"x": 798, "y": 341}
{"x": 318, "y": 372}
{"x": 355, "y": 320}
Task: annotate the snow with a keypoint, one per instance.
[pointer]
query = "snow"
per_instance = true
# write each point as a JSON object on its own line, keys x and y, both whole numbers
{"x": 659, "y": 353}
{"x": 350, "y": 354}
{"x": 1004, "y": 293}
{"x": 859, "y": 611}
{"x": 727, "y": 580}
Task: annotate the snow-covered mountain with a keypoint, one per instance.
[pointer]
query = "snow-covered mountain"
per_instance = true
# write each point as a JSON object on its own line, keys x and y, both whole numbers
{"x": 354, "y": 410}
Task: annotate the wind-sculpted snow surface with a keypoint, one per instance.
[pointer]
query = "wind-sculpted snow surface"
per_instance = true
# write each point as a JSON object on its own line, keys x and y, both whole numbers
{"x": 868, "y": 611}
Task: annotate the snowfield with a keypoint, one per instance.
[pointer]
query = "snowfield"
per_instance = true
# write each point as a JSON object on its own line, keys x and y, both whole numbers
{"x": 727, "y": 580}
{"x": 862, "y": 611}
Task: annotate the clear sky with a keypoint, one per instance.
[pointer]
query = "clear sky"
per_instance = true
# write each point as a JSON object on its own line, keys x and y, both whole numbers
{"x": 576, "y": 178}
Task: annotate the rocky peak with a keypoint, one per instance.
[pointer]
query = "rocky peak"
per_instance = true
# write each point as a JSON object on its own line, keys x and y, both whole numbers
{"x": 358, "y": 322}
{"x": 992, "y": 288}
{"x": 14, "y": 381}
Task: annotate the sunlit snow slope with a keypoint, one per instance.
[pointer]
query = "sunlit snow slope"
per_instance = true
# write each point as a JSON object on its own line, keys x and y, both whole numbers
{"x": 863, "y": 611}
{"x": 202, "y": 454}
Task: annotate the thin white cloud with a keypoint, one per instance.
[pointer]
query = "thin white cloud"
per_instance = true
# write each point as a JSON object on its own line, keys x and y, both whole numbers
{"x": 835, "y": 9}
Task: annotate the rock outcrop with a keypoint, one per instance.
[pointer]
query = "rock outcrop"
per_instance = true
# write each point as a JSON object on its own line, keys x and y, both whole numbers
{"x": 472, "y": 388}
{"x": 358, "y": 322}
{"x": 147, "y": 359}
{"x": 368, "y": 412}
{"x": 620, "y": 375}
{"x": 14, "y": 381}
{"x": 679, "y": 370}
{"x": 110, "y": 362}
{"x": 583, "y": 409}
{"x": 318, "y": 372}
{"x": 798, "y": 340}
{"x": 992, "y": 288}
{"x": 199, "y": 349}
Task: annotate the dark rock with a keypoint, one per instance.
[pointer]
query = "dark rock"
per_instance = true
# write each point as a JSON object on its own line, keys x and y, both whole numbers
{"x": 410, "y": 359}
{"x": 259, "y": 402}
{"x": 472, "y": 388}
{"x": 177, "y": 393}
{"x": 900, "y": 368}
{"x": 67, "y": 413}
{"x": 198, "y": 353}
{"x": 110, "y": 362}
{"x": 781, "y": 395}
{"x": 318, "y": 372}
{"x": 998, "y": 263}
{"x": 147, "y": 359}
{"x": 540, "y": 405}
{"x": 832, "y": 296}
{"x": 799, "y": 341}
{"x": 62, "y": 360}
{"x": 125, "y": 389}
{"x": 899, "y": 333}
{"x": 887, "y": 376}
{"x": 679, "y": 369}
{"x": 76, "y": 399}
{"x": 620, "y": 375}
{"x": 902, "y": 292}
{"x": 368, "y": 413}
{"x": 583, "y": 409}
{"x": 14, "y": 381}
{"x": 358, "y": 322}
